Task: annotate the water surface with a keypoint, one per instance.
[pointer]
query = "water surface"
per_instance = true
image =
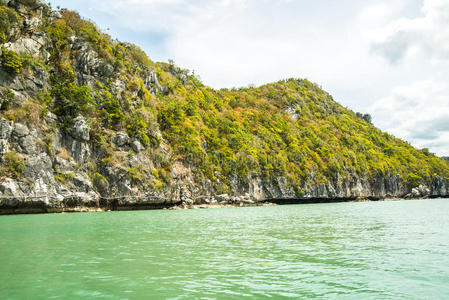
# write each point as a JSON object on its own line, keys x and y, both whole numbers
{"x": 366, "y": 250}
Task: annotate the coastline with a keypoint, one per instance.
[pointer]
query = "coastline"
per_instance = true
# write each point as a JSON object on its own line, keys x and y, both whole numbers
{"x": 41, "y": 208}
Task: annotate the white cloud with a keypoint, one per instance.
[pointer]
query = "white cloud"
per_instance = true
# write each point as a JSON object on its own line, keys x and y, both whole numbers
{"x": 419, "y": 113}
{"x": 427, "y": 35}
{"x": 261, "y": 42}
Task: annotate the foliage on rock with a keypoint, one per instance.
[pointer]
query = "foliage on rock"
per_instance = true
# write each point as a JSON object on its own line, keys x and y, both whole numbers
{"x": 8, "y": 18}
{"x": 11, "y": 61}
{"x": 13, "y": 165}
{"x": 290, "y": 129}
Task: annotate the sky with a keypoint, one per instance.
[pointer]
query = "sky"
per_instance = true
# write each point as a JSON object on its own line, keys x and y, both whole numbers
{"x": 388, "y": 58}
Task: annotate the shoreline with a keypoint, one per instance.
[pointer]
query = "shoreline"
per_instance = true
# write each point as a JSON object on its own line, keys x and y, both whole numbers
{"x": 40, "y": 208}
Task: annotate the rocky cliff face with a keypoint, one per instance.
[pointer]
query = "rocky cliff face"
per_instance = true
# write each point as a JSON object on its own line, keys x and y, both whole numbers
{"x": 56, "y": 156}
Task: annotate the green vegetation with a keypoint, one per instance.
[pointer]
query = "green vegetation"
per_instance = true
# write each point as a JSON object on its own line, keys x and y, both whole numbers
{"x": 100, "y": 182}
{"x": 13, "y": 165}
{"x": 71, "y": 100}
{"x": 6, "y": 96}
{"x": 291, "y": 129}
{"x": 232, "y": 133}
{"x": 64, "y": 177}
{"x": 229, "y": 134}
{"x": 8, "y": 18}
{"x": 11, "y": 62}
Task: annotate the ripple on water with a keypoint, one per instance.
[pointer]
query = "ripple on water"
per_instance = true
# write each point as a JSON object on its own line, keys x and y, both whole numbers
{"x": 385, "y": 250}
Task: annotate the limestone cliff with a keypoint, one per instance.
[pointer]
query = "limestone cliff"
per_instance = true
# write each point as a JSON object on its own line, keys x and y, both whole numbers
{"x": 89, "y": 122}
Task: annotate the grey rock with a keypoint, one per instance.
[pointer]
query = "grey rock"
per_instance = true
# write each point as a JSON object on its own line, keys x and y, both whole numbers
{"x": 42, "y": 39}
{"x": 21, "y": 130}
{"x": 105, "y": 69}
{"x": 16, "y": 84}
{"x": 25, "y": 45}
{"x": 223, "y": 198}
{"x": 41, "y": 188}
{"x": 40, "y": 172}
{"x": 36, "y": 82}
{"x": 81, "y": 130}
{"x": 137, "y": 146}
{"x": 40, "y": 166}
{"x": 5, "y": 78}
{"x": 119, "y": 86}
{"x": 8, "y": 188}
{"x": 63, "y": 165}
{"x": 121, "y": 139}
{"x": 4, "y": 147}
{"x": 28, "y": 144}
{"x": 88, "y": 63}
{"x": 55, "y": 15}
{"x": 152, "y": 83}
{"x": 439, "y": 186}
{"x": 80, "y": 151}
{"x": 420, "y": 191}
{"x": 19, "y": 97}
{"x": 415, "y": 193}
{"x": 424, "y": 191}
{"x": 5, "y": 128}
{"x": 293, "y": 112}
{"x": 234, "y": 199}
{"x": 51, "y": 118}
{"x": 82, "y": 182}
{"x": 35, "y": 5}
{"x": 187, "y": 201}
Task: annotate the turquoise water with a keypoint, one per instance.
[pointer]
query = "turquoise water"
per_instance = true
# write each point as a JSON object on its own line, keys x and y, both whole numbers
{"x": 366, "y": 250}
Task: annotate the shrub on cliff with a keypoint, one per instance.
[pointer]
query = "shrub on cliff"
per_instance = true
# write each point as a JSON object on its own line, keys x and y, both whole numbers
{"x": 137, "y": 127}
{"x": 100, "y": 182}
{"x": 111, "y": 111}
{"x": 59, "y": 32}
{"x": 8, "y": 17}
{"x": 13, "y": 165}
{"x": 6, "y": 96}
{"x": 71, "y": 100}
{"x": 414, "y": 180}
{"x": 11, "y": 62}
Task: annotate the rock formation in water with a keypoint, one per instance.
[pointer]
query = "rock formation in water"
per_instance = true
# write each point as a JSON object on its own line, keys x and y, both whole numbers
{"x": 87, "y": 121}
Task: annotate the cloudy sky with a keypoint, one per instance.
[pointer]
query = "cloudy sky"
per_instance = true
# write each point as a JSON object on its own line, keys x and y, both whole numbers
{"x": 389, "y": 58}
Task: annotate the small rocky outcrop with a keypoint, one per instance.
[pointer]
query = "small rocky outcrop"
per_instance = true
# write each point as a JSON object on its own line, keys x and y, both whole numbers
{"x": 81, "y": 130}
{"x": 137, "y": 146}
{"x": 121, "y": 139}
{"x": 6, "y": 128}
{"x": 152, "y": 83}
{"x": 80, "y": 146}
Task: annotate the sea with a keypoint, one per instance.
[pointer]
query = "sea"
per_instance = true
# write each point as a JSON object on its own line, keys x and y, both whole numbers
{"x": 352, "y": 250}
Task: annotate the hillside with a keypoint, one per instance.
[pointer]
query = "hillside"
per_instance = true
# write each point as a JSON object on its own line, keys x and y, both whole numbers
{"x": 88, "y": 121}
